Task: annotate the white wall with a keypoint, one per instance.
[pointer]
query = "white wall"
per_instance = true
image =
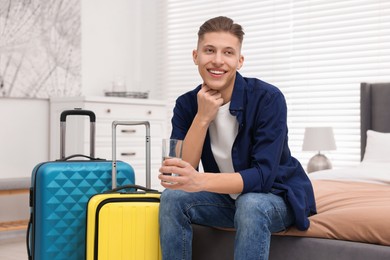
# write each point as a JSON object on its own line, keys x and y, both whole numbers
{"x": 24, "y": 135}
{"x": 119, "y": 43}
{"x": 118, "y": 40}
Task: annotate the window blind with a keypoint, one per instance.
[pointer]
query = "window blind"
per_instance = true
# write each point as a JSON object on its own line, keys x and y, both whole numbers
{"x": 316, "y": 52}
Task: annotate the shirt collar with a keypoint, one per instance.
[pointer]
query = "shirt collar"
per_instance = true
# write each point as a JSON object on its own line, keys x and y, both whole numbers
{"x": 238, "y": 95}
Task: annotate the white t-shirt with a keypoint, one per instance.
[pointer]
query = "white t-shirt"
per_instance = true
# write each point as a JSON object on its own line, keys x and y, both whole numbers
{"x": 223, "y": 131}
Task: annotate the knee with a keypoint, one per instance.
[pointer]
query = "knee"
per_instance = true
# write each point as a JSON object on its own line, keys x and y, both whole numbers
{"x": 251, "y": 210}
{"x": 171, "y": 200}
{"x": 168, "y": 195}
{"x": 172, "y": 207}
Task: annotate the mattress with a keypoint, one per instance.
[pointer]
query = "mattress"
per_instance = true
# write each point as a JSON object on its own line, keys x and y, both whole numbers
{"x": 350, "y": 211}
{"x": 353, "y": 204}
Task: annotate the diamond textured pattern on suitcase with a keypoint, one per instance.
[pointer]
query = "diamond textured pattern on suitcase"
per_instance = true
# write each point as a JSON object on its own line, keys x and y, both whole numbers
{"x": 63, "y": 204}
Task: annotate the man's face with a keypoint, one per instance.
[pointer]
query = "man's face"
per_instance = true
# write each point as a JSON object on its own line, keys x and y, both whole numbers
{"x": 218, "y": 57}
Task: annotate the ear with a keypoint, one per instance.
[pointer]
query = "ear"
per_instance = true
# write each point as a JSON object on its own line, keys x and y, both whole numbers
{"x": 240, "y": 62}
{"x": 195, "y": 56}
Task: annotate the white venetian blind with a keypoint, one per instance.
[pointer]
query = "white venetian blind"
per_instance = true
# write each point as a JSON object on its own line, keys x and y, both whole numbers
{"x": 316, "y": 52}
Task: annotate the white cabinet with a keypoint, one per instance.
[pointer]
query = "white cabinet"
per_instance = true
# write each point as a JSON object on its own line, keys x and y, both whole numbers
{"x": 130, "y": 139}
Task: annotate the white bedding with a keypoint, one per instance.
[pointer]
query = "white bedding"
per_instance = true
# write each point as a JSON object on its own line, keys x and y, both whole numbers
{"x": 364, "y": 172}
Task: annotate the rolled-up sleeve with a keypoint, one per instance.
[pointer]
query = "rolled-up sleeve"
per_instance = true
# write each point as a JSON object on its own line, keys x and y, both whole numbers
{"x": 269, "y": 139}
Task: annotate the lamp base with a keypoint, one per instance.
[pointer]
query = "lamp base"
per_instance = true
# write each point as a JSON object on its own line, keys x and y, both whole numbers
{"x": 318, "y": 162}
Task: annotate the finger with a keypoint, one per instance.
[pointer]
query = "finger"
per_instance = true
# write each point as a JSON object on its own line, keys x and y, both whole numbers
{"x": 213, "y": 94}
{"x": 207, "y": 94}
{"x": 203, "y": 90}
{"x": 169, "y": 185}
{"x": 169, "y": 181}
{"x": 216, "y": 95}
{"x": 172, "y": 162}
{"x": 169, "y": 170}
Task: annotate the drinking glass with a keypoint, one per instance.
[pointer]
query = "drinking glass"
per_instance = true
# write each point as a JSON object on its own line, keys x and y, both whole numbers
{"x": 171, "y": 148}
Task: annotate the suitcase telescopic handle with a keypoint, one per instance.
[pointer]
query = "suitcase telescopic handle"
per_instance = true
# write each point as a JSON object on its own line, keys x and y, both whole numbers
{"x": 78, "y": 112}
{"x": 147, "y": 144}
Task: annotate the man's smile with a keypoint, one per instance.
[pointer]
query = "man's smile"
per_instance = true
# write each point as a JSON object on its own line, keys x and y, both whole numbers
{"x": 216, "y": 72}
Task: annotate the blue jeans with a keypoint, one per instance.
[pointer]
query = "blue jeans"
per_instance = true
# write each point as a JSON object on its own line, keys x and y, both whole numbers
{"x": 254, "y": 216}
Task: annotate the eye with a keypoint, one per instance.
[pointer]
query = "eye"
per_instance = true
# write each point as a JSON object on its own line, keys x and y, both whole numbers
{"x": 209, "y": 50}
{"x": 229, "y": 52}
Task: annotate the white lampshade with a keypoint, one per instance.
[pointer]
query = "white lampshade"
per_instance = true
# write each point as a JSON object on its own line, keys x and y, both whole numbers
{"x": 318, "y": 139}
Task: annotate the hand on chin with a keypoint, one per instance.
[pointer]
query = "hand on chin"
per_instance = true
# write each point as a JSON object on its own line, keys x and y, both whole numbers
{"x": 217, "y": 86}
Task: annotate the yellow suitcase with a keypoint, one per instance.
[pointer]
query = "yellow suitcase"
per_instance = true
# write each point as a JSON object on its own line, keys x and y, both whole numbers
{"x": 124, "y": 225}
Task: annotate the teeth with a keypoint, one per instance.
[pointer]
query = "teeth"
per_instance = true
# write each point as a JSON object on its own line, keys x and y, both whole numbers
{"x": 217, "y": 72}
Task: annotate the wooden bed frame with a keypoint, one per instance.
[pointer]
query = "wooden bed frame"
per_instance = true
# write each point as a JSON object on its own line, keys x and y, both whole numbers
{"x": 214, "y": 244}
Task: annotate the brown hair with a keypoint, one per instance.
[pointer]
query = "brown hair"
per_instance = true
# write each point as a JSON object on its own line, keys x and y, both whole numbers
{"x": 221, "y": 24}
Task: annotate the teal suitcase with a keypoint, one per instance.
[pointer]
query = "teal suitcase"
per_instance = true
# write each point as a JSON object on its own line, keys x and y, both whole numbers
{"x": 59, "y": 194}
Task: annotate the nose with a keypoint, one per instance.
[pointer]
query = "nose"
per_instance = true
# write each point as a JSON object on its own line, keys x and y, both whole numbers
{"x": 218, "y": 58}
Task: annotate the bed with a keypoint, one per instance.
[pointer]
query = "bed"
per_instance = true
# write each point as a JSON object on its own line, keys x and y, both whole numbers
{"x": 353, "y": 220}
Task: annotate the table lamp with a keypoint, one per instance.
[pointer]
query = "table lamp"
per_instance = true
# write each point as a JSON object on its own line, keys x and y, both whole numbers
{"x": 318, "y": 139}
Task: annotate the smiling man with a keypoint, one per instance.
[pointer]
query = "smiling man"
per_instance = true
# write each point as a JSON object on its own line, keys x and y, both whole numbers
{"x": 237, "y": 128}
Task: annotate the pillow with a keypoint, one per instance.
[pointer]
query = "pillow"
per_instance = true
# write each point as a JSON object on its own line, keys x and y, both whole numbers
{"x": 377, "y": 147}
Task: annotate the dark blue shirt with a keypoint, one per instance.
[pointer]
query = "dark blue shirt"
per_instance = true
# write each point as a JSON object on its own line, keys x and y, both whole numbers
{"x": 260, "y": 152}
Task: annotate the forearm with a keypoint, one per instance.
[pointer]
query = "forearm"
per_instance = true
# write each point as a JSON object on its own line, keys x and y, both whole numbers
{"x": 226, "y": 183}
{"x": 194, "y": 140}
{"x": 188, "y": 179}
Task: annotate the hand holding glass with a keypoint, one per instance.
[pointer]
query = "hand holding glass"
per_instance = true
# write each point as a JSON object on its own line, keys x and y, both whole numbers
{"x": 171, "y": 148}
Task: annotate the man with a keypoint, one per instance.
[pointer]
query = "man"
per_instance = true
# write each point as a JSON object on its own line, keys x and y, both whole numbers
{"x": 237, "y": 128}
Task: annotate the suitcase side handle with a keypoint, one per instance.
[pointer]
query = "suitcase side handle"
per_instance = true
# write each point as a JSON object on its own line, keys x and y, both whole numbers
{"x": 78, "y": 112}
{"x": 28, "y": 238}
{"x": 147, "y": 143}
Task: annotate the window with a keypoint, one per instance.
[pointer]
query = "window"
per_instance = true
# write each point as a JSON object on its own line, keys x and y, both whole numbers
{"x": 316, "y": 52}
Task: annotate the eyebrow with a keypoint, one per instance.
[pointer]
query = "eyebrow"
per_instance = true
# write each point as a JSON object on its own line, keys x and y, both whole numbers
{"x": 212, "y": 46}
